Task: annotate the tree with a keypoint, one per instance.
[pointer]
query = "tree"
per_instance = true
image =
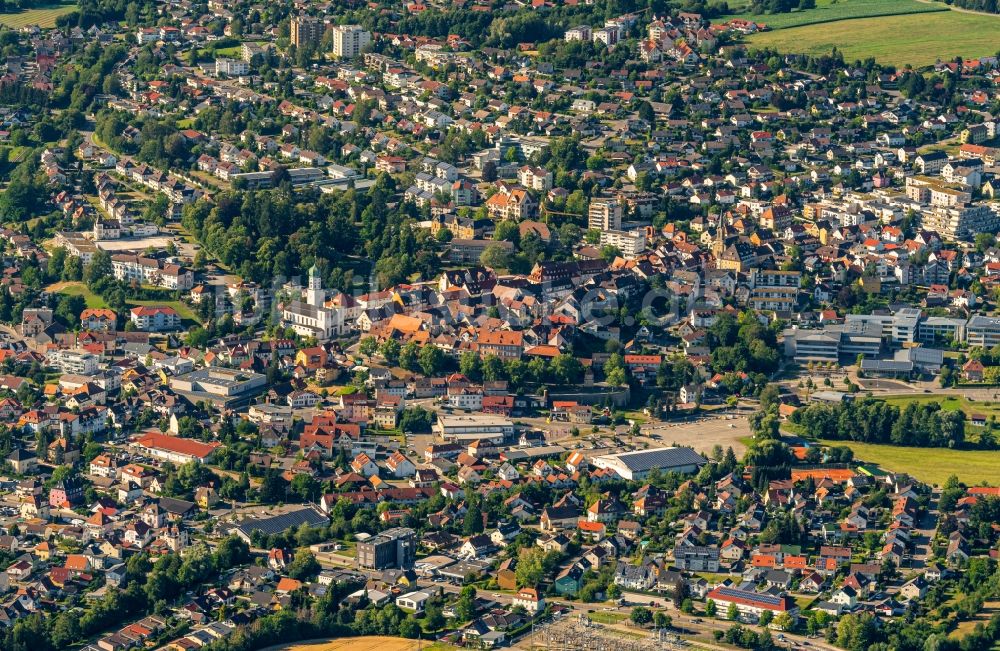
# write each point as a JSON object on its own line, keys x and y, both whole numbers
{"x": 641, "y": 615}
{"x": 470, "y": 365}
{"x": 733, "y": 612}
{"x": 710, "y": 608}
{"x": 769, "y": 397}
{"x": 368, "y": 347}
{"x": 662, "y": 620}
{"x": 856, "y": 632}
{"x": 272, "y": 487}
{"x": 409, "y": 628}
{"x": 473, "y": 522}
{"x": 431, "y": 359}
{"x": 489, "y": 171}
{"x": 390, "y": 350}
{"x": 434, "y": 618}
{"x": 531, "y": 568}
{"x": 100, "y": 268}
{"x": 495, "y": 256}
{"x": 465, "y": 606}
{"x": 303, "y": 566}
{"x": 409, "y": 356}
{"x": 416, "y": 419}
{"x": 304, "y": 486}
{"x": 614, "y": 370}
{"x": 765, "y": 618}
{"x": 647, "y": 113}
{"x": 493, "y": 368}
{"x": 784, "y": 622}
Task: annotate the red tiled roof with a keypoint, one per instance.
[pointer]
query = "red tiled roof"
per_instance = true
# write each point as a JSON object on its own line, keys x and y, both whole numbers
{"x": 190, "y": 447}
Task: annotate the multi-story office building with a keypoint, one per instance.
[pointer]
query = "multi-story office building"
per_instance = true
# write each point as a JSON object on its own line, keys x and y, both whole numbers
{"x": 392, "y": 549}
{"x": 983, "y": 331}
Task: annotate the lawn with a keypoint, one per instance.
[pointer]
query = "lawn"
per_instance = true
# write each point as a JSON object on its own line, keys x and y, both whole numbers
{"x": 949, "y": 403}
{"x": 95, "y": 301}
{"x": 234, "y": 51}
{"x": 182, "y": 309}
{"x": 371, "y": 643}
{"x": 929, "y": 465}
{"x": 831, "y": 10}
{"x": 605, "y": 617}
{"x": 982, "y": 617}
{"x": 916, "y": 39}
{"x": 987, "y": 408}
{"x": 44, "y": 17}
{"x": 79, "y": 289}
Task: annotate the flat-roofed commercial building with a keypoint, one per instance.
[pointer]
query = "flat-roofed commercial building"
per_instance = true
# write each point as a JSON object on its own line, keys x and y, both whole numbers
{"x": 219, "y": 385}
{"x": 469, "y": 427}
{"x": 638, "y": 464}
{"x": 983, "y": 331}
{"x": 751, "y": 605}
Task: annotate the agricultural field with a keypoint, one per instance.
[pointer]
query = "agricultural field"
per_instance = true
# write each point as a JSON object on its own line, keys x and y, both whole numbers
{"x": 900, "y": 40}
{"x": 41, "y": 16}
{"x": 929, "y": 465}
{"x": 831, "y": 10}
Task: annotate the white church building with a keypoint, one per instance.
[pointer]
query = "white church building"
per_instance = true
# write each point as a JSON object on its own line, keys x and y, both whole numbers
{"x": 315, "y": 316}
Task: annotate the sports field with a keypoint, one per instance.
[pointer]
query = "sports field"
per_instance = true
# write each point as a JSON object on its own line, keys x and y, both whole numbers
{"x": 830, "y": 10}
{"x": 914, "y": 39}
{"x": 43, "y": 16}
{"x": 929, "y": 465}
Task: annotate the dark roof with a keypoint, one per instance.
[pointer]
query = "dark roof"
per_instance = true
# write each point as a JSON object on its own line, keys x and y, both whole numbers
{"x": 662, "y": 458}
{"x": 175, "y": 506}
{"x": 280, "y": 523}
{"x": 21, "y": 455}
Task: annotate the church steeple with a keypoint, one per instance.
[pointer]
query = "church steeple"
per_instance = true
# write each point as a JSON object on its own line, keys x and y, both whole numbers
{"x": 315, "y": 295}
{"x": 721, "y": 237}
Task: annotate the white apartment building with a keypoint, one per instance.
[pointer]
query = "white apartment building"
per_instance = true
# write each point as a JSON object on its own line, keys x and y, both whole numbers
{"x": 630, "y": 243}
{"x": 149, "y": 271}
{"x": 604, "y": 215}
{"x": 579, "y": 33}
{"x": 535, "y": 178}
{"x": 349, "y": 40}
{"x": 231, "y": 67}
{"x": 76, "y": 362}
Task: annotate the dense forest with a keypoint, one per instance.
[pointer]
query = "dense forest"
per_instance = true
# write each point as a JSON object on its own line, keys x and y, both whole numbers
{"x": 875, "y": 421}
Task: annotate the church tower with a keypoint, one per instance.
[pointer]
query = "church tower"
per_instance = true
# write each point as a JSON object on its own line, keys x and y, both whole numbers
{"x": 721, "y": 237}
{"x": 315, "y": 295}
